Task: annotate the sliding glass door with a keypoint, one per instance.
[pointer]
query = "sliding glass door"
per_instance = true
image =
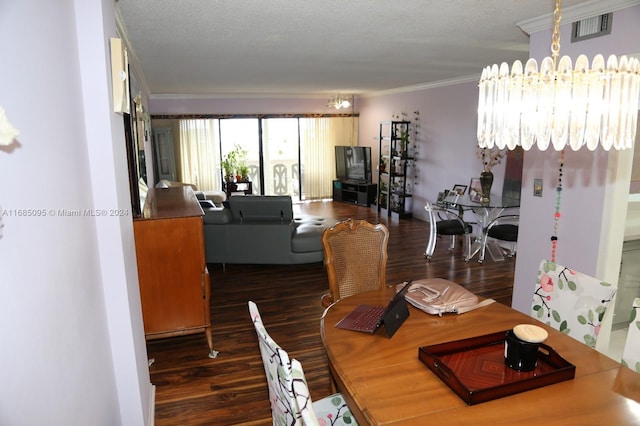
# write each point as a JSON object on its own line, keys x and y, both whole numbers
{"x": 243, "y": 132}
{"x": 281, "y": 157}
{"x": 286, "y": 156}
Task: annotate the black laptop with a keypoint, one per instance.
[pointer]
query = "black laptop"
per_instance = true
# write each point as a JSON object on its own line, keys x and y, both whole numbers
{"x": 369, "y": 318}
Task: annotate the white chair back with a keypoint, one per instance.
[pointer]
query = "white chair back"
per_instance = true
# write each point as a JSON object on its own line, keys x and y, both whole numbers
{"x": 631, "y": 352}
{"x": 291, "y": 403}
{"x": 570, "y": 301}
{"x": 277, "y": 367}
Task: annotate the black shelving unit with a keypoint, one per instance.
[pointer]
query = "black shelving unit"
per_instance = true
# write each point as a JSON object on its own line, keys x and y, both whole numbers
{"x": 395, "y": 163}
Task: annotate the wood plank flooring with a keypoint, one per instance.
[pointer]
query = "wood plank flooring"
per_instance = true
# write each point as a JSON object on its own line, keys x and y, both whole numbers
{"x": 192, "y": 389}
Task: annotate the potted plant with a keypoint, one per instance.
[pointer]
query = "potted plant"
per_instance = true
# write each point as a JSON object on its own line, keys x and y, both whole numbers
{"x": 234, "y": 162}
{"x": 243, "y": 171}
{"x": 228, "y": 164}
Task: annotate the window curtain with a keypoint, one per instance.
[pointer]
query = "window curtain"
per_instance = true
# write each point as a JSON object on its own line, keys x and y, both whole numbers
{"x": 200, "y": 153}
{"x": 318, "y": 138}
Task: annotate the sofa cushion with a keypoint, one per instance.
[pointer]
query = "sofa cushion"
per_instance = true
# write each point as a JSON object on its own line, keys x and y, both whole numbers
{"x": 327, "y": 222}
{"x": 218, "y": 197}
{"x": 217, "y": 216}
{"x": 307, "y": 237}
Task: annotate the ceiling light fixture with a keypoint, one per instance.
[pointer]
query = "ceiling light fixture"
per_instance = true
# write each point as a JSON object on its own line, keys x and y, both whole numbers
{"x": 559, "y": 105}
{"x": 339, "y": 101}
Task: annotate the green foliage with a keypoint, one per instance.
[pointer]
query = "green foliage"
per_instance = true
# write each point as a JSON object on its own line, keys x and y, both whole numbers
{"x": 243, "y": 170}
{"x": 582, "y": 320}
{"x": 572, "y": 285}
{"x": 556, "y": 315}
{"x": 234, "y": 160}
{"x": 563, "y": 327}
{"x": 336, "y": 401}
{"x": 549, "y": 266}
{"x": 589, "y": 340}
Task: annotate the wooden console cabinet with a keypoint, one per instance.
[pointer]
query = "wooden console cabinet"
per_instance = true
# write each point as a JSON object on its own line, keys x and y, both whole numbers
{"x": 172, "y": 271}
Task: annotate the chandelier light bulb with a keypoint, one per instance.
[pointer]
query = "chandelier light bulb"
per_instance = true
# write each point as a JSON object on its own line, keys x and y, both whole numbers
{"x": 339, "y": 102}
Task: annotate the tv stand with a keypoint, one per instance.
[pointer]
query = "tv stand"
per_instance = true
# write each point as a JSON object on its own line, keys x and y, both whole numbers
{"x": 348, "y": 191}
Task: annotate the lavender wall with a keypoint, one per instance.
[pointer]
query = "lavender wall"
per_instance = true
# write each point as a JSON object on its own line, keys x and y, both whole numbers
{"x": 447, "y": 142}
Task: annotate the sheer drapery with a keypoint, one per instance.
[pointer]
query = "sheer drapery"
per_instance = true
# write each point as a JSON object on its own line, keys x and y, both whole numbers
{"x": 318, "y": 138}
{"x": 200, "y": 153}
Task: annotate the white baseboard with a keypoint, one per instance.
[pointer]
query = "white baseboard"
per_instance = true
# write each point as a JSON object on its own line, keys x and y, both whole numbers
{"x": 152, "y": 406}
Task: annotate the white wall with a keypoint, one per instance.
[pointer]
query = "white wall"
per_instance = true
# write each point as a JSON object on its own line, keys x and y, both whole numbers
{"x": 71, "y": 337}
{"x": 586, "y": 241}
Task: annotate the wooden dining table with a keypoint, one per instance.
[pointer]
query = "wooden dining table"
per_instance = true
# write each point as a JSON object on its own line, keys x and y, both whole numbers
{"x": 384, "y": 382}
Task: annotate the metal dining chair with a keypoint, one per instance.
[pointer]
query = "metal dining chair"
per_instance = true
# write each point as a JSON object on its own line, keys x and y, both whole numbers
{"x": 503, "y": 228}
{"x": 445, "y": 222}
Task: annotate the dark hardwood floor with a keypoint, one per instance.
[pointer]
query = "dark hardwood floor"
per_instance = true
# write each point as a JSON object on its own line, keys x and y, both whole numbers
{"x": 192, "y": 389}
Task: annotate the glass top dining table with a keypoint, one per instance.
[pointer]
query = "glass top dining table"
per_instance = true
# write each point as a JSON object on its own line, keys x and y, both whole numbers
{"x": 485, "y": 212}
{"x": 496, "y": 201}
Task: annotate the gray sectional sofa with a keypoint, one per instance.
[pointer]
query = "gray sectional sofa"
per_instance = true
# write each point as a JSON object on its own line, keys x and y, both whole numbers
{"x": 262, "y": 230}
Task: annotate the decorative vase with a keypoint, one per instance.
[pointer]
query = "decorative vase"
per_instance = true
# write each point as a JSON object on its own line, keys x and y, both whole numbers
{"x": 486, "y": 180}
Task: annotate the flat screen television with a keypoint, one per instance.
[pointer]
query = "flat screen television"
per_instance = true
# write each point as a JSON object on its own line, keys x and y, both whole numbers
{"x": 353, "y": 163}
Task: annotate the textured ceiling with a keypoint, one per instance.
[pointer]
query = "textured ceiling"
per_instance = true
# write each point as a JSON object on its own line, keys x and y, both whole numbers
{"x": 296, "y": 47}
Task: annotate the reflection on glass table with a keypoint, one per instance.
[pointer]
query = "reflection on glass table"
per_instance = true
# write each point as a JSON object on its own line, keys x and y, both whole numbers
{"x": 485, "y": 212}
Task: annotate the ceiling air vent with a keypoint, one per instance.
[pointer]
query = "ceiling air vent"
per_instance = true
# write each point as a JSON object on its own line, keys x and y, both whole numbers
{"x": 591, "y": 27}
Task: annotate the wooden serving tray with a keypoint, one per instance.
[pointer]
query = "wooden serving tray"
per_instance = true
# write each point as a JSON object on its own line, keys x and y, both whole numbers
{"x": 474, "y": 368}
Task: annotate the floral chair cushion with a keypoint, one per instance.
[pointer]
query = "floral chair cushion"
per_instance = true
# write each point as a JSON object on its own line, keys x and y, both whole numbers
{"x": 289, "y": 395}
{"x": 570, "y": 301}
{"x": 631, "y": 352}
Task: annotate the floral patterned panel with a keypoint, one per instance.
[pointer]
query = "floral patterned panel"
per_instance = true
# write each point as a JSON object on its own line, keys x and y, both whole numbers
{"x": 631, "y": 353}
{"x": 570, "y": 301}
{"x": 291, "y": 403}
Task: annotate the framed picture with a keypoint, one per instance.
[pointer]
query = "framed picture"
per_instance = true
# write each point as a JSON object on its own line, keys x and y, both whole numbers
{"x": 475, "y": 190}
{"x": 441, "y": 196}
{"x": 459, "y": 189}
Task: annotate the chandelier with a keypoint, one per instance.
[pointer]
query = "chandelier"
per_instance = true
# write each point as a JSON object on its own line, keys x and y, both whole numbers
{"x": 339, "y": 101}
{"x": 559, "y": 104}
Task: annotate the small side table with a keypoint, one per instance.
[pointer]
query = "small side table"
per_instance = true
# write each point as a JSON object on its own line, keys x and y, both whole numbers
{"x": 230, "y": 188}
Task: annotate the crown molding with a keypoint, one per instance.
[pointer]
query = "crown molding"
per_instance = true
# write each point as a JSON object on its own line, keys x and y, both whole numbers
{"x": 187, "y": 96}
{"x": 575, "y": 13}
{"x": 442, "y": 83}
